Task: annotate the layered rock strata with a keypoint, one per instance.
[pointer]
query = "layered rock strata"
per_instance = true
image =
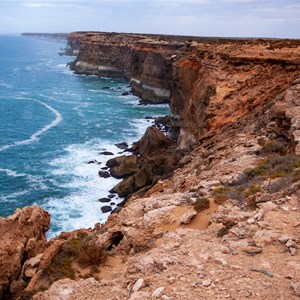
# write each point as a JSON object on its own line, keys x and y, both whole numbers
{"x": 142, "y": 60}
{"x": 209, "y": 82}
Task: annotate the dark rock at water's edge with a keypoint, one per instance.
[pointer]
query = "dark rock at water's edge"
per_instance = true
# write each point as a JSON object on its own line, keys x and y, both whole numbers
{"x": 106, "y": 153}
{"x": 94, "y": 161}
{"x": 104, "y": 200}
{"x": 104, "y": 174}
{"x": 123, "y": 145}
{"x": 121, "y": 204}
{"x": 106, "y": 209}
{"x": 125, "y": 93}
{"x": 111, "y": 196}
{"x": 156, "y": 157}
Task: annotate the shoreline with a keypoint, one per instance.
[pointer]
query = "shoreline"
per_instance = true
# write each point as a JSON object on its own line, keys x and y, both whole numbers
{"x": 236, "y": 113}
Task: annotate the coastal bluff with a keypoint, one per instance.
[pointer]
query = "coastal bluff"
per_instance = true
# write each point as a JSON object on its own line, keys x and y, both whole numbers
{"x": 209, "y": 82}
{"x": 224, "y": 223}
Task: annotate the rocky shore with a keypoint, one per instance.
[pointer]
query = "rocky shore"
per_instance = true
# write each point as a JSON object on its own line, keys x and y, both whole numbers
{"x": 210, "y": 214}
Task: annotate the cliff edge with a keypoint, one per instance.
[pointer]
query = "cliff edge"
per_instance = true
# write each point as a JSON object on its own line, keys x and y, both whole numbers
{"x": 225, "y": 224}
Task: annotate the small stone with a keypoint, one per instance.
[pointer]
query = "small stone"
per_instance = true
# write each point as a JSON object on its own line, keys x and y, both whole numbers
{"x": 206, "y": 282}
{"x": 157, "y": 293}
{"x": 293, "y": 251}
{"x": 187, "y": 217}
{"x": 290, "y": 243}
{"x": 250, "y": 221}
{"x": 296, "y": 287}
{"x": 283, "y": 239}
{"x": 252, "y": 250}
{"x": 138, "y": 284}
{"x": 171, "y": 280}
{"x": 165, "y": 297}
{"x": 259, "y": 216}
{"x": 284, "y": 208}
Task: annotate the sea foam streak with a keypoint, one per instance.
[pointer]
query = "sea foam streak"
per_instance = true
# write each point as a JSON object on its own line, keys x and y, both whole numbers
{"x": 34, "y": 138}
{"x": 12, "y": 173}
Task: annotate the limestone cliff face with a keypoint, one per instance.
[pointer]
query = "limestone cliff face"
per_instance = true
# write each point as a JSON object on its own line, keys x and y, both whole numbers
{"x": 142, "y": 60}
{"x": 215, "y": 84}
{"x": 209, "y": 82}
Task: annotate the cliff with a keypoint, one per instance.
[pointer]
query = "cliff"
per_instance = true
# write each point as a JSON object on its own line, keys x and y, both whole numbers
{"x": 209, "y": 82}
{"x": 224, "y": 223}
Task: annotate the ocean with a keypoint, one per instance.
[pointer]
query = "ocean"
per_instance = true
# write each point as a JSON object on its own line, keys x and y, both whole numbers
{"x": 52, "y": 123}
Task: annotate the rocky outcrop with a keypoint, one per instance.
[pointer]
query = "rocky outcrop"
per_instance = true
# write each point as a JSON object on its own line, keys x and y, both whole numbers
{"x": 155, "y": 157}
{"x": 22, "y": 237}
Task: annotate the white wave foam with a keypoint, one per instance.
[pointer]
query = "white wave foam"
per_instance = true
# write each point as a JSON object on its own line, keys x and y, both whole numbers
{"x": 33, "y": 181}
{"x": 80, "y": 208}
{"x": 12, "y": 197}
{"x": 35, "y": 137}
{"x": 12, "y": 173}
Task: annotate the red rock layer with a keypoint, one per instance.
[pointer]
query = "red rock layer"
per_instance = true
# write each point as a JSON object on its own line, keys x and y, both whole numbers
{"x": 210, "y": 82}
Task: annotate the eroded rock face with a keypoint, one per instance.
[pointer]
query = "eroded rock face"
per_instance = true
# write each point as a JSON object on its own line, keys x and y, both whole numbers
{"x": 209, "y": 82}
{"x": 157, "y": 158}
{"x": 144, "y": 61}
{"x": 22, "y": 237}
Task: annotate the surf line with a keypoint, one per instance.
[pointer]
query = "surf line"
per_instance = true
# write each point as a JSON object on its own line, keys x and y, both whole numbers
{"x": 35, "y": 137}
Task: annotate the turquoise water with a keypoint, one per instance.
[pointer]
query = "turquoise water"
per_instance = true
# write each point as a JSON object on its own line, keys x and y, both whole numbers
{"x": 52, "y": 123}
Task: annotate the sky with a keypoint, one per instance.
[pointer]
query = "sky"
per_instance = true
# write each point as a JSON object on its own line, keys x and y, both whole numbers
{"x": 223, "y": 18}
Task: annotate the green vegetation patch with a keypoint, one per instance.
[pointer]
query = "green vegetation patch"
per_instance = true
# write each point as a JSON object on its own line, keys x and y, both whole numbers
{"x": 87, "y": 253}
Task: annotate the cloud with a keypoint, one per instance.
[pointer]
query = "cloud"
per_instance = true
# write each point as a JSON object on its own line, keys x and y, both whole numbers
{"x": 278, "y": 18}
{"x": 38, "y": 5}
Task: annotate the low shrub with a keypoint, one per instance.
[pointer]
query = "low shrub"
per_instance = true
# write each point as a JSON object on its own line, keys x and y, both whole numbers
{"x": 272, "y": 147}
{"x": 201, "y": 204}
{"x": 221, "y": 194}
{"x": 83, "y": 251}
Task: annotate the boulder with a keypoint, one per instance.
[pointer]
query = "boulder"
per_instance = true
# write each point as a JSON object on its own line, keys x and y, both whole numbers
{"x": 104, "y": 200}
{"x": 22, "y": 236}
{"x": 125, "y": 187}
{"x": 104, "y": 174}
{"x": 106, "y": 208}
{"x": 153, "y": 140}
{"x": 122, "y": 145}
{"x": 124, "y": 170}
{"x": 123, "y": 159}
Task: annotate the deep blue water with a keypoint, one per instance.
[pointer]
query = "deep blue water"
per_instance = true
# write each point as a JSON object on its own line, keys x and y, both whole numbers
{"x": 52, "y": 123}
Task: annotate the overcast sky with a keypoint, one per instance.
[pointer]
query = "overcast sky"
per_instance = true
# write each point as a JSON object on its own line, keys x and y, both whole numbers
{"x": 253, "y": 18}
